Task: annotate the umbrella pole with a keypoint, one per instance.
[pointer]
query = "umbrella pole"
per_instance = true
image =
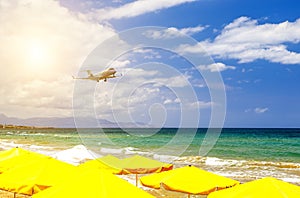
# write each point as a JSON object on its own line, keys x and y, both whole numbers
{"x": 136, "y": 180}
{"x": 189, "y": 195}
{"x": 14, "y": 195}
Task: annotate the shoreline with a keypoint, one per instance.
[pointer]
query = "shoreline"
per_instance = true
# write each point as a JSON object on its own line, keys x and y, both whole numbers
{"x": 242, "y": 168}
{"x": 239, "y": 169}
{"x": 12, "y": 126}
{"x": 183, "y": 161}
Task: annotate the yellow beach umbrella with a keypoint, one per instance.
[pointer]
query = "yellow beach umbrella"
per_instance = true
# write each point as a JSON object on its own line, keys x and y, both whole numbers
{"x": 141, "y": 165}
{"x": 189, "y": 180}
{"x": 17, "y": 156}
{"x": 132, "y": 165}
{"x": 108, "y": 162}
{"x": 93, "y": 183}
{"x": 33, "y": 177}
{"x": 11, "y": 153}
{"x": 266, "y": 187}
{"x": 154, "y": 180}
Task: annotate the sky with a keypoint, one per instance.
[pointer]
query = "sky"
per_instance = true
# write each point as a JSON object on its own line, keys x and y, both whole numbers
{"x": 248, "y": 77}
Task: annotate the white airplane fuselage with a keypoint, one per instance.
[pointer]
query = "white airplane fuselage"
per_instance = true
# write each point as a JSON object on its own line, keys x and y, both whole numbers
{"x": 108, "y": 73}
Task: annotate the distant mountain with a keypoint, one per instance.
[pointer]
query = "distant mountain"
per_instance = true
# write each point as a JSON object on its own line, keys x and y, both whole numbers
{"x": 67, "y": 122}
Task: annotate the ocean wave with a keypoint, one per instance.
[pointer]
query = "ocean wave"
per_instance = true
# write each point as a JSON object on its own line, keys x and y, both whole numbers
{"x": 214, "y": 161}
{"x": 9, "y": 133}
{"x": 274, "y": 164}
{"x": 31, "y": 134}
{"x": 291, "y": 180}
{"x": 75, "y": 155}
{"x": 111, "y": 150}
{"x": 8, "y": 144}
{"x": 245, "y": 170}
{"x": 24, "y": 133}
{"x": 165, "y": 158}
{"x": 242, "y": 170}
{"x": 63, "y": 135}
{"x": 39, "y": 147}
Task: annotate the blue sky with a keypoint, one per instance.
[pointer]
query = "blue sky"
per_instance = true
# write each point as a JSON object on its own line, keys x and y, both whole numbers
{"x": 254, "y": 44}
{"x": 261, "y": 93}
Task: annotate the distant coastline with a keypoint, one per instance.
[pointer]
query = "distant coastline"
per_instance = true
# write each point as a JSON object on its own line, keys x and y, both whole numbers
{"x": 11, "y": 126}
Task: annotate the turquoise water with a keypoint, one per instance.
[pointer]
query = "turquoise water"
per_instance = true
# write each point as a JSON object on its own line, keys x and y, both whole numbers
{"x": 241, "y": 154}
{"x": 277, "y": 145}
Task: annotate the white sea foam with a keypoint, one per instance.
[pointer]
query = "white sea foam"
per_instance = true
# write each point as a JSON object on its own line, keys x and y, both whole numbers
{"x": 37, "y": 147}
{"x": 8, "y": 144}
{"x": 75, "y": 155}
{"x": 242, "y": 170}
{"x": 291, "y": 180}
{"x": 31, "y": 134}
{"x": 245, "y": 170}
{"x": 111, "y": 151}
{"x": 213, "y": 161}
{"x": 62, "y": 135}
{"x": 164, "y": 158}
{"x": 137, "y": 152}
{"x": 130, "y": 150}
{"x": 9, "y": 133}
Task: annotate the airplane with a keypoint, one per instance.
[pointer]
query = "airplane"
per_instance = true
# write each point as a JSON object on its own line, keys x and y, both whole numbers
{"x": 108, "y": 73}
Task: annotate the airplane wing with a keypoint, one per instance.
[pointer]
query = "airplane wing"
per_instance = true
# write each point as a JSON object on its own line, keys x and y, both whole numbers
{"x": 104, "y": 78}
{"x": 80, "y": 78}
{"x": 111, "y": 76}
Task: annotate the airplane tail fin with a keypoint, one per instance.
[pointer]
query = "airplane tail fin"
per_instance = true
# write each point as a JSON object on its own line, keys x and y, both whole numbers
{"x": 89, "y": 73}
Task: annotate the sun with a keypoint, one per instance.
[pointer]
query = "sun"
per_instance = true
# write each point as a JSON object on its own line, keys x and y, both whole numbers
{"x": 37, "y": 54}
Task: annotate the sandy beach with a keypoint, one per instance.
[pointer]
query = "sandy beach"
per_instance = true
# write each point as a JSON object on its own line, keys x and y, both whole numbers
{"x": 239, "y": 162}
{"x": 159, "y": 193}
{"x": 6, "y": 194}
{"x": 156, "y": 193}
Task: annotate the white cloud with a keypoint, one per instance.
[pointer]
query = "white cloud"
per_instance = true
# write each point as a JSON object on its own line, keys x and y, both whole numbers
{"x": 246, "y": 40}
{"x": 200, "y": 105}
{"x": 143, "y": 50}
{"x": 170, "y": 101}
{"x": 40, "y": 50}
{"x": 248, "y": 110}
{"x": 216, "y": 67}
{"x": 164, "y": 34}
{"x": 257, "y": 110}
{"x": 136, "y": 8}
{"x": 177, "y": 100}
{"x": 260, "y": 110}
{"x": 247, "y": 30}
{"x": 244, "y": 70}
{"x": 173, "y": 32}
{"x": 174, "y": 81}
{"x": 192, "y": 30}
{"x": 132, "y": 95}
{"x": 38, "y": 97}
{"x": 120, "y": 63}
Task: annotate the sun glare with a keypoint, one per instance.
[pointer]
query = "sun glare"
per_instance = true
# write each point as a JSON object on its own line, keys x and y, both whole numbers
{"x": 38, "y": 56}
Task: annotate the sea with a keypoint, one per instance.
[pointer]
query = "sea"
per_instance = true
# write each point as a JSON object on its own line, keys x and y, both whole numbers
{"x": 238, "y": 153}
